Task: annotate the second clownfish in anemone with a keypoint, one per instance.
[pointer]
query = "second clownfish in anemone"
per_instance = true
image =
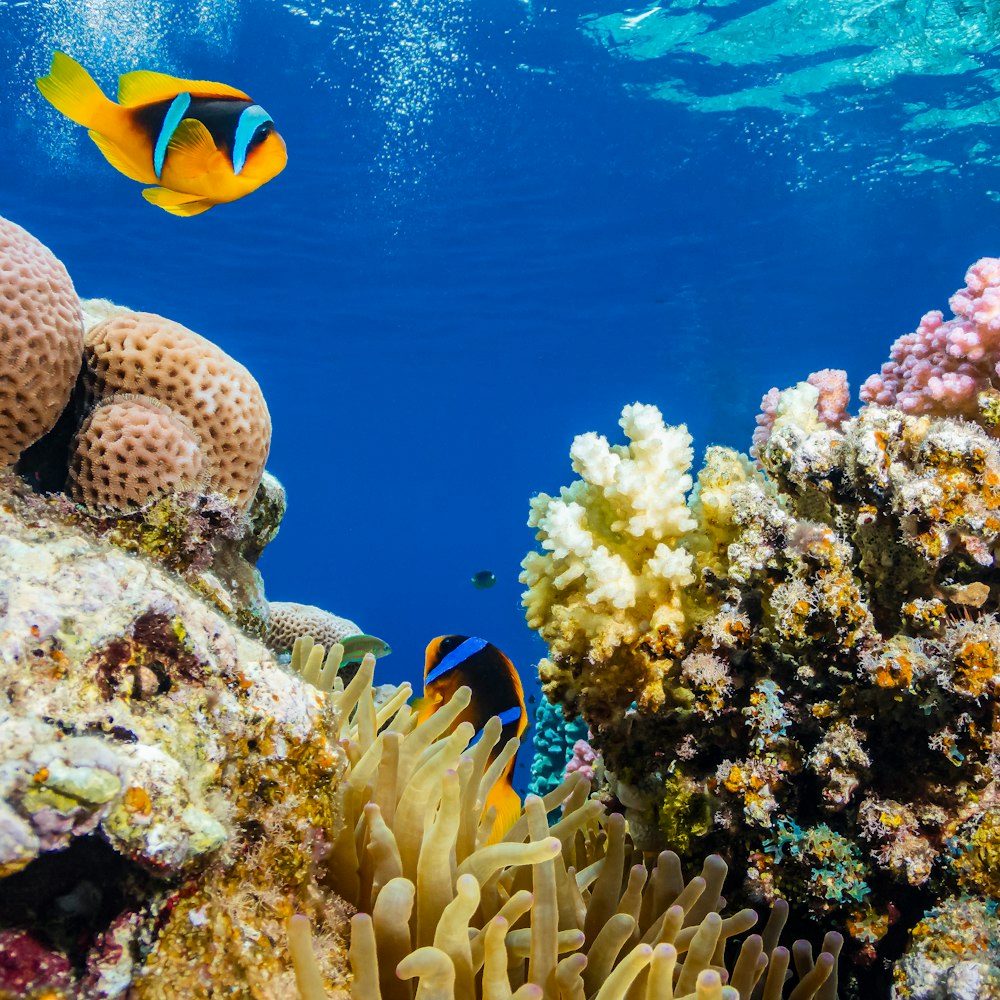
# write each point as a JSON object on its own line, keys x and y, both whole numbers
{"x": 201, "y": 143}
{"x": 454, "y": 661}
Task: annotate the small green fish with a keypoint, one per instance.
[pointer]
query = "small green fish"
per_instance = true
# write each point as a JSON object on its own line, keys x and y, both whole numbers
{"x": 484, "y": 579}
{"x": 356, "y": 646}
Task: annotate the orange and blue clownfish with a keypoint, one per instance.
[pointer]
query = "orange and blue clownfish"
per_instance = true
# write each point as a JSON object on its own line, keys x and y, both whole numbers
{"x": 201, "y": 143}
{"x": 454, "y": 661}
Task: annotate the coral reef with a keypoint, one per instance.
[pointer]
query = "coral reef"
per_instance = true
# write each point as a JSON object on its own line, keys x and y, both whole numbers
{"x": 812, "y": 686}
{"x": 41, "y": 340}
{"x": 160, "y": 780}
{"x": 795, "y": 664}
{"x": 466, "y": 918}
{"x": 171, "y": 795}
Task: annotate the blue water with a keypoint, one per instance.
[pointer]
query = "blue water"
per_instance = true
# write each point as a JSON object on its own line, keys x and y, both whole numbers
{"x": 502, "y": 221}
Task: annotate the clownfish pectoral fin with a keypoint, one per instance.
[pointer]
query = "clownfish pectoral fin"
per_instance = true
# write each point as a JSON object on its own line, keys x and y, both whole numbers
{"x": 146, "y": 87}
{"x": 191, "y": 151}
{"x": 425, "y": 706}
{"x": 177, "y": 202}
{"x": 69, "y": 88}
{"x": 508, "y": 806}
{"x": 119, "y": 159}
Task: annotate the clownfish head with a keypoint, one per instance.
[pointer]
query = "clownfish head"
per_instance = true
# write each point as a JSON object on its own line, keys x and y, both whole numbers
{"x": 259, "y": 153}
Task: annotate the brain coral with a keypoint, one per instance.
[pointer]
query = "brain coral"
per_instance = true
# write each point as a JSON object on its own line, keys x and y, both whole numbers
{"x": 41, "y": 340}
{"x": 145, "y": 354}
{"x": 289, "y": 621}
{"x": 131, "y": 450}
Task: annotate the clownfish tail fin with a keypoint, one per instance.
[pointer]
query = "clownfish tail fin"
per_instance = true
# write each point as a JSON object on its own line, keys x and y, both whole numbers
{"x": 69, "y": 88}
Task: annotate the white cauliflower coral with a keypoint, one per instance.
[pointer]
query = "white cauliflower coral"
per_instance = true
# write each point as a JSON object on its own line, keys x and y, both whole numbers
{"x": 613, "y": 563}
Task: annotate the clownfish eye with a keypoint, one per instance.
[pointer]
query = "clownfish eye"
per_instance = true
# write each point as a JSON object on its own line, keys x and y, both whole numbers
{"x": 261, "y": 133}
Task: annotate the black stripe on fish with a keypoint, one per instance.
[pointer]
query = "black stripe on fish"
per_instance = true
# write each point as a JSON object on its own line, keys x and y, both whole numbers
{"x": 220, "y": 115}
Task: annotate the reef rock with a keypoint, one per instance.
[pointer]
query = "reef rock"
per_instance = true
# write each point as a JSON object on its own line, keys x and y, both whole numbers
{"x": 144, "y": 738}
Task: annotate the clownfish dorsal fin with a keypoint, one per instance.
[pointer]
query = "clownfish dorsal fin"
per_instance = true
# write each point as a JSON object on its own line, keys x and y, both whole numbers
{"x": 515, "y": 677}
{"x": 146, "y": 87}
{"x": 191, "y": 149}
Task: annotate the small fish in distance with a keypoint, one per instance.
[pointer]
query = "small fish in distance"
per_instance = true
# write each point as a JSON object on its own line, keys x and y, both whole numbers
{"x": 356, "y": 646}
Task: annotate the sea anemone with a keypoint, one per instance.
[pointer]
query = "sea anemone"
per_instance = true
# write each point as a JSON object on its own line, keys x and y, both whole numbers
{"x": 568, "y": 911}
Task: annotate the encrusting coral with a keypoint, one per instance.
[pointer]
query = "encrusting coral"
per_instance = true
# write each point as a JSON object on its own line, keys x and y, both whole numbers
{"x": 809, "y": 682}
{"x": 955, "y": 954}
{"x": 41, "y": 340}
{"x": 466, "y": 919}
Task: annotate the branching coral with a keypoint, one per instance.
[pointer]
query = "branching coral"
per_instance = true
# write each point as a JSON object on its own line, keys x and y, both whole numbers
{"x": 948, "y": 367}
{"x": 464, "y": 918}
{"x": 824, "y": 398}
{"x": 612, "y": 574}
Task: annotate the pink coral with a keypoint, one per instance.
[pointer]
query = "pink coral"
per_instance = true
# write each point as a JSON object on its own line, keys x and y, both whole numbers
{"x": 831, "y": 406}
{"x": 834, "y": 395}
{"x": 943, "y": 365}
{"x": 765, "y": 420}
{"x": 583, "y": 760}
